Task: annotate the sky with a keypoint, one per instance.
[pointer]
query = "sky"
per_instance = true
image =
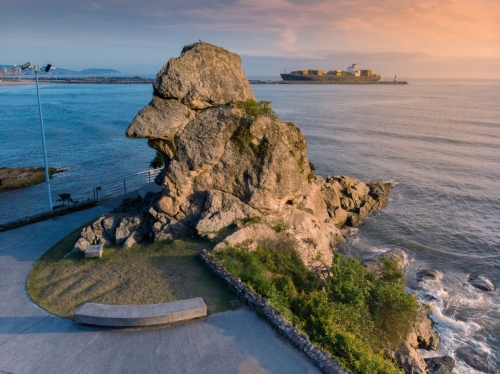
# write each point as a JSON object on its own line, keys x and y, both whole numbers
{"x": 407, "y": 38}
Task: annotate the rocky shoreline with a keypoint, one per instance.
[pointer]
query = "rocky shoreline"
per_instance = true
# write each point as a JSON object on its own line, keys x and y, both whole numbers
{"x": 12, "y": 178}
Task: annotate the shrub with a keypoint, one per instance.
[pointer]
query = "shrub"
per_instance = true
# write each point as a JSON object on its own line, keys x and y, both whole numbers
{"x": 158, "y": 161}
{"x": 255, "y": 109}
{"x": 350, "y": 313}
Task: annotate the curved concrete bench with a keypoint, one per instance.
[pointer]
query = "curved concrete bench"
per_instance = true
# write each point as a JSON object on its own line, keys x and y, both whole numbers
{"x": 140, "y": 315}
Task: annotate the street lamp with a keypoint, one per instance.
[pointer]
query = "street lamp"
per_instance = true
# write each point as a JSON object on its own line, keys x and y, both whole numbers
{"x": 47, "y": 68}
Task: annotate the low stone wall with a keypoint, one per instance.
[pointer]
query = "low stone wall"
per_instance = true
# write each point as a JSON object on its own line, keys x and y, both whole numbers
{"x": 276, "y": 320}
{"x": 47, "y": 215}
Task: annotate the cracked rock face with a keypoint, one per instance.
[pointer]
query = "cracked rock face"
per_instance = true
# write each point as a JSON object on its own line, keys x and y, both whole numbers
{"x": 236, "y": 177}
{"x": 203, "y": 76}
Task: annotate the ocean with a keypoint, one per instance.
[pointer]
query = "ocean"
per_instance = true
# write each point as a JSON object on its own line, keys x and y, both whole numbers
{"x": 437, "y": 141}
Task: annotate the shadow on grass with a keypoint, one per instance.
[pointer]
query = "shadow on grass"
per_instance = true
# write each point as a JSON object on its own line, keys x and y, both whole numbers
{"x": 146, "y": 273}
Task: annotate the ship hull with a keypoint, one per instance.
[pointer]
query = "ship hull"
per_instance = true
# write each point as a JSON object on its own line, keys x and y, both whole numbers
{"x": 328, "y": 79}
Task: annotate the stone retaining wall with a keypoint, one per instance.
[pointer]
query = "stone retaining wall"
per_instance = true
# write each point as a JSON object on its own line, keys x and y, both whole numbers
{"x": 276, "y": 320}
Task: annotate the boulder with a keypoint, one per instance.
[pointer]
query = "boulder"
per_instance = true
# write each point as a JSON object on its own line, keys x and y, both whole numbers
{"x": 126, "y": 227}
{"x": 474, "y": 359}
{"x": 480, "y": 282}
{"x": 160, "y": 119}
{"x": 135, "y": 237}
{"x": 431, "y": 274}
{"x": 408, "y": 359}
{"x": 422, "y": 335}
{"x": 440, "y": 365}
{"x": 202, "y": 77}
{"x": 376, "y": 267}
{"x": 81, "y": 245}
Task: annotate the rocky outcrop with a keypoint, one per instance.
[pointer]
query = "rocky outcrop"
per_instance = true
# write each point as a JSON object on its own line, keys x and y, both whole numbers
{"x": 122, "y": 229}
{"x": 236, "y": 176}
{"x": 12, "y": 178}
{"x": 476, "y": 360}
{"x": 408, "y": 359}
{"x": 375, "y": 266}
{"x": 235, "y": 173}
{"x": 203, "y": 76}
{"x": 440, "y": 365}
{"x": 480, "y": 282}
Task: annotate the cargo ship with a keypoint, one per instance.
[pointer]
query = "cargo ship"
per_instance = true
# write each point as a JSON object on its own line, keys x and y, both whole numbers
{"x": 351, "y": 75}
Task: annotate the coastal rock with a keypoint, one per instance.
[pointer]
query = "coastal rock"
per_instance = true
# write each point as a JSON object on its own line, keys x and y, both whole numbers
{"x": 12, "y": 178}
{"x": 222, "y": 210}
{"x": 376, "y": 267}
{"x": 203, "y": 76}
{"x": 422, "y": 335}
{"x": 423, "y": 274}
{"x": 440, "y": 365}
{"x": 160, "y": 119}
{"x": 474, "y": 359}
{"x": 236, "y": 176}
{"x": 408, "y": 359}
{"x": 480, "y": 282}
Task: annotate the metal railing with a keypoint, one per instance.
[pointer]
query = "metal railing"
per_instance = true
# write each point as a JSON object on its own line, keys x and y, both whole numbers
{"x": 123, "y": 185}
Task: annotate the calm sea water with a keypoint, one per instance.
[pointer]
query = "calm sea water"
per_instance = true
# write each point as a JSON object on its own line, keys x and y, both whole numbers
{"x": 438, "y": 141}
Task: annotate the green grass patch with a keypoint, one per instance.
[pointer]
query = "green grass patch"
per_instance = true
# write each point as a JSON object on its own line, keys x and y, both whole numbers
{"x": 149, "y": 273}
{"x": 349, "y": 313}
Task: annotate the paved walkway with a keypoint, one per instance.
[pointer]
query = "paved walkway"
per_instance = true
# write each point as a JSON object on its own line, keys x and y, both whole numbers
{"x": 35, "y": 341}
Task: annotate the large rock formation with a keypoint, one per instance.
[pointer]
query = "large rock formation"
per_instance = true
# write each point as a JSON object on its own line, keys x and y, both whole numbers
{"x": 226, "y": 167}
{"x": 236, "y": 175}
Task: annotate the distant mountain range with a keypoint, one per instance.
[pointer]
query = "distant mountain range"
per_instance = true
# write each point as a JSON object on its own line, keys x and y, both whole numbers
{"x": 62, "y": 71}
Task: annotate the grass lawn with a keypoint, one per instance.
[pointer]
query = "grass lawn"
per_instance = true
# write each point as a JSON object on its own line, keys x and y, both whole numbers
{"x": 149, "y": 273}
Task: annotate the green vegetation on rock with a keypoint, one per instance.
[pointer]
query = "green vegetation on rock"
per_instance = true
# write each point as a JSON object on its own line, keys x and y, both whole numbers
{"x": 346, "y": 310}
{"x": 254, "y": 109}
{"x": 158, "y": 161}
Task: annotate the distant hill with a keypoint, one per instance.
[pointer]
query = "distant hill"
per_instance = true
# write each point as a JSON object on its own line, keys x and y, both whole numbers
{"x": 99, "y": 71}
{"x": 62, "y": 71}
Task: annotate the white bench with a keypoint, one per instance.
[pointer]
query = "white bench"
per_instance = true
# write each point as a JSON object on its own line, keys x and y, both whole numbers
{"x": 140, "y": 315}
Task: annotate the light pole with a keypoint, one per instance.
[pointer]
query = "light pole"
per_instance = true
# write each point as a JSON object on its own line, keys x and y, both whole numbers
{"x": 36, "y": 68}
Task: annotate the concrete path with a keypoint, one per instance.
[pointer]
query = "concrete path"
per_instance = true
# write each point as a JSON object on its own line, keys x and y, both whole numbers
{"x": 35, "y": 341}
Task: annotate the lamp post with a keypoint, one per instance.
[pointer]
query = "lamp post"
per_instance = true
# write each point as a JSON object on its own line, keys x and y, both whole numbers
{"x": 36, "y": 68}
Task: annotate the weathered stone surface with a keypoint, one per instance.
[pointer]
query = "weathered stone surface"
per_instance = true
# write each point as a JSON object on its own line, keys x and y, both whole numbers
{"x": 480, "y": 282}
{"x": 203, "y": 76}
{"x": 126, "y": 227}
{"x": 408, "y": 359}
{"x": 423, "y": 274}
{"x": 220, "y": 211}
{"x": 135, "y": 237}
{"x": 81, "y": 245}
{"x": 474, "y": 359}
{"x": 160, "y": 119}
{"x": 423, "y": 335}
{"x": 440, "y": 365}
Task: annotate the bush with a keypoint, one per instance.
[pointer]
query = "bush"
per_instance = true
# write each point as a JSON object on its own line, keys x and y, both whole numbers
{"x": 255, "y": 109}
{"x": 158, "y": 161}
{"x": 350, "y": 313}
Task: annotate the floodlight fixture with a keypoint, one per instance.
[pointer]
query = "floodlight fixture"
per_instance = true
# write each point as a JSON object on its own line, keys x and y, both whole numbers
{"x": 26, "y": 65}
